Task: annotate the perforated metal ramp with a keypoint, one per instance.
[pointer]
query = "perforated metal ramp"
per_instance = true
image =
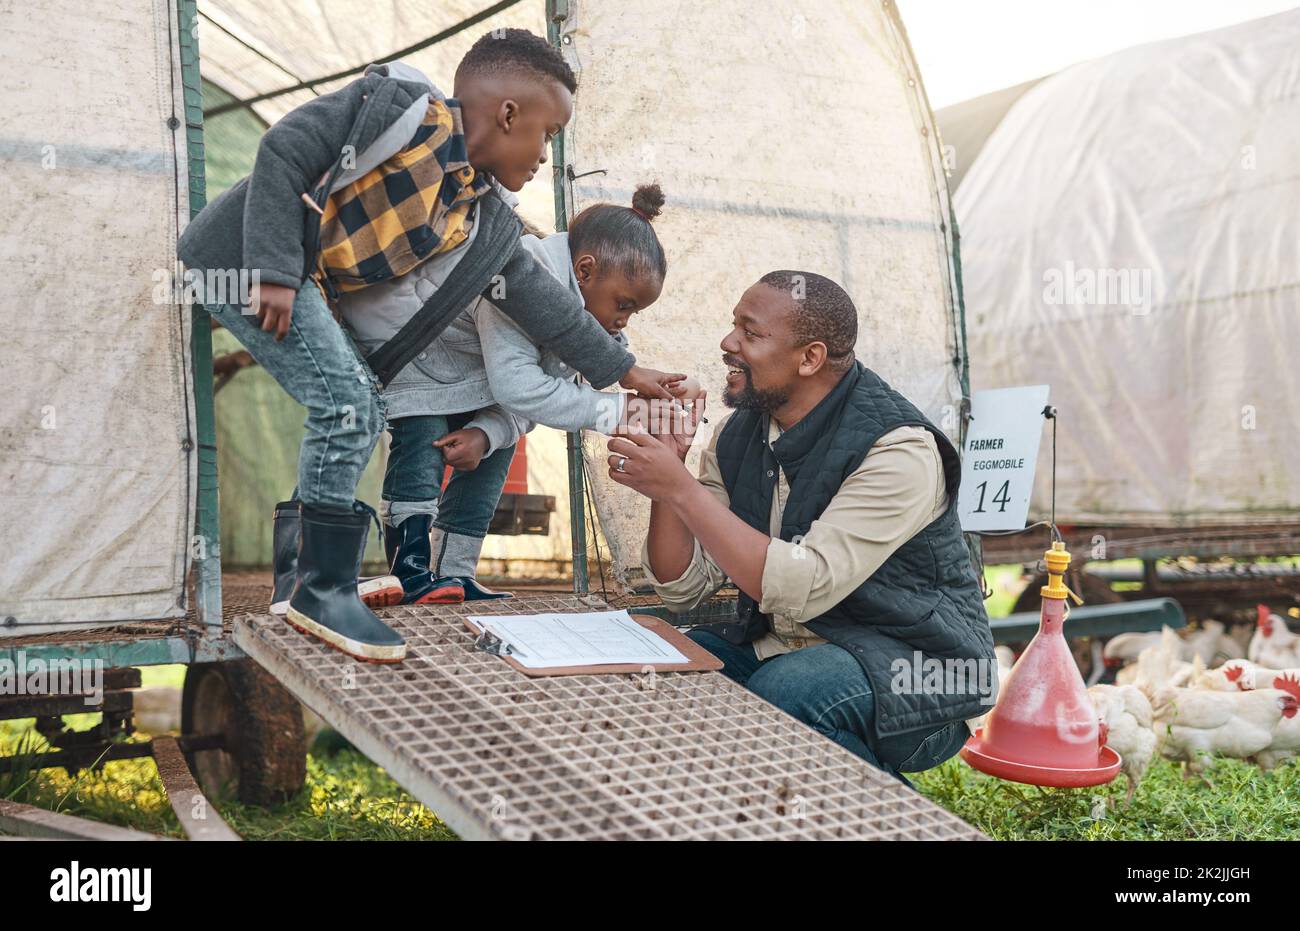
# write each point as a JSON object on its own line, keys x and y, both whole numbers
{"x": 500, "y": 755}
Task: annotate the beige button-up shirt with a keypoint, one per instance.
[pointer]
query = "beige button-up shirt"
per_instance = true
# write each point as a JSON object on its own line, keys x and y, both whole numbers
{"x": 897, "y": 490}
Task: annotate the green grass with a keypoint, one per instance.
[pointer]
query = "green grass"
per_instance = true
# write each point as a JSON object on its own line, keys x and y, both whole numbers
{"x": 124, "y": 792}
{"x": 173, "y": 675}
{"x": 346, "y": 797}
{"x": 349, "y": 798}
{"x": 1244, "y": 803}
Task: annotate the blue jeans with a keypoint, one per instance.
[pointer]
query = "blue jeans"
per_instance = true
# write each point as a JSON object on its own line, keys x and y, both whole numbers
{"x": 320, "y": 368}
{"x": 413, "y": 479}
{"x": 824, "y": 687}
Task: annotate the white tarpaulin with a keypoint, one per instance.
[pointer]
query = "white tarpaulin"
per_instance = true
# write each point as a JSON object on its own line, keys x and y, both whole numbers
{"x": 96, "y": 477}
{"x": 1130, "y": 237}
{"x": 785, "y": 135}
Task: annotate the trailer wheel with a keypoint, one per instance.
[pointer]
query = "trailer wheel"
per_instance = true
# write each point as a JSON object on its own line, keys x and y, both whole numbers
{"x": 264, "y": 760}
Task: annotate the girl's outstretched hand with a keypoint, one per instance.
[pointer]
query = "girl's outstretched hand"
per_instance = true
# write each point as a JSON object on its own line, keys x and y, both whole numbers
{"x": 651, "y": 383}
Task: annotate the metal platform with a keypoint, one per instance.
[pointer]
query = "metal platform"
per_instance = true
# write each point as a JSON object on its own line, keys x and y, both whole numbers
{"x": 1204, "y": 542}
{"x": 499, "y": 755}
{"x": 151, "y": 643}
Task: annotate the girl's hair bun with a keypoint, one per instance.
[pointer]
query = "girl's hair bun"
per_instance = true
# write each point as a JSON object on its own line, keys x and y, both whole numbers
{"x": 621, "y": 238}
{"x": 648, "y": 200}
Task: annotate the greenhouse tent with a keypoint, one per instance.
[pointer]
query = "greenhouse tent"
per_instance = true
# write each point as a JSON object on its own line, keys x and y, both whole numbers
{"x": 1129, "y": 236}
{"x": 824, "y": 157}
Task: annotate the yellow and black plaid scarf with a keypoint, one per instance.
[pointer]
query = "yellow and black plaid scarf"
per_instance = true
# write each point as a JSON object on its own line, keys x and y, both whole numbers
{"x": 415, "y": 205}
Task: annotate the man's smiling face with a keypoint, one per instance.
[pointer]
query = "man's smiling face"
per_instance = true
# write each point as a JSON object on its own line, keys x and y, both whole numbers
{"x": 760, "y": 350}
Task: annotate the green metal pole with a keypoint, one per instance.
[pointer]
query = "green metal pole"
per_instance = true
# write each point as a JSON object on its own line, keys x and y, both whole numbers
{"x": 556, "y": 12}
{"x": 206, "y": 548}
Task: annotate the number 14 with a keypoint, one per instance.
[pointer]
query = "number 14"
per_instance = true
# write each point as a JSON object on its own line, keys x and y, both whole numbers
{"x": 1003, "y": 497}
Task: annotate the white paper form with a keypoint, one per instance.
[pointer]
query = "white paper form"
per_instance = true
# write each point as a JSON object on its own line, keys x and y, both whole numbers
{"x": 597, "y": 638}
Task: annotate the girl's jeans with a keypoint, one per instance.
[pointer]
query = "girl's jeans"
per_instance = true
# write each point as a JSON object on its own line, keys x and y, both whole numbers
{"x": 413, "y": 480}
{"x": 320, "y": 368}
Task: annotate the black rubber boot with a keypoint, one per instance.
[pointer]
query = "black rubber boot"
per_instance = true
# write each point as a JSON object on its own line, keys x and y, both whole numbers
{"x": 411, "y": 565}
{"x": 381, "y": 591}
{"x": 284, "y": 548}
{"x": 390, "y": 546}
{"x": 455, "y": 556}
{"x": 325, "y": 602}
{"x": 476, "y": 591}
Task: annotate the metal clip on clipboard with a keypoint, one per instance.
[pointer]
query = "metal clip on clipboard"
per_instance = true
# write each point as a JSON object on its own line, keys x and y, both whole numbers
{"x": 489, "y": 642}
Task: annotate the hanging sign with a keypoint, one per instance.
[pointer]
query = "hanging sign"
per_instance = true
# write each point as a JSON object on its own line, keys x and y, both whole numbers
{"x": 997, "y": 469}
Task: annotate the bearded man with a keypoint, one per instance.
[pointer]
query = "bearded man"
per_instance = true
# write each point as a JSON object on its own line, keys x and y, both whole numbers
{"x": 830, "y": 501}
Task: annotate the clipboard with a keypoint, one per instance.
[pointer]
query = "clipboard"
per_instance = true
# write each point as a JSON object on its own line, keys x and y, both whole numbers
{"x": 698, "y": 658}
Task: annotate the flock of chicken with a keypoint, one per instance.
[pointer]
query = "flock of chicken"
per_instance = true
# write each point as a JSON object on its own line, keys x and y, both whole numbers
{"x": 1195, "y": 698}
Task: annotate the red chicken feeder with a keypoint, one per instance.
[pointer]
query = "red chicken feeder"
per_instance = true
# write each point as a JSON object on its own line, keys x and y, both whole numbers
{"x": 1044, "y": 729}
{"x": 1058, "y": 777}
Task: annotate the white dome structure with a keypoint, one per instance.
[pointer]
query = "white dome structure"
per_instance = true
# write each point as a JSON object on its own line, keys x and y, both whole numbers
{"x": 1130, "y": 235}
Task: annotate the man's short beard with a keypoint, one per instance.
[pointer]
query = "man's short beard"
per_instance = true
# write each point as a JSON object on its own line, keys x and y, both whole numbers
{"x": 750, "y": 398}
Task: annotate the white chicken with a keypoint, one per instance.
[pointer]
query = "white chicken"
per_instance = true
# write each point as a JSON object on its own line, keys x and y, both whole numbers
{"x": 1195, "y": 725}
{"x": 1159, "y": 665}
{"x": 1286, "y": 739}
{"x": 1273, "y": 645}
{"x": 1212, "y": 644}
{"x": 1242, "y": 634}
{"x": 1127, "y": 715}
{"x": 1123, "y": 649}
{"x": 1211, "y": 641}
{"x": 1239, "y": 675}
{"x": 1179, "y": 673}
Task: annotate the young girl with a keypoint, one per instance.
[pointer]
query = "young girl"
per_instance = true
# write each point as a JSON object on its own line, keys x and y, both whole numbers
{"x": 487, "y": 383}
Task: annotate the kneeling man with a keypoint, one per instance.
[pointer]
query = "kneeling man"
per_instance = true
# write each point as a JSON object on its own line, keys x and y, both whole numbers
{"x": 831, "y": 503}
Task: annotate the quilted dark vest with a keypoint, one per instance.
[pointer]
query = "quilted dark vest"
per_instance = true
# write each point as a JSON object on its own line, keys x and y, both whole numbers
{"x": 923, "y": 603}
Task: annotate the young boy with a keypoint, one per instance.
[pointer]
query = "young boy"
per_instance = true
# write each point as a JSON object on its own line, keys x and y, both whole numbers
{"x": 365, "y": 186}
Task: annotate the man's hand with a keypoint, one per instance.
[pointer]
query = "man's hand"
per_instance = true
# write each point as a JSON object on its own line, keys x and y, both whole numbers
{"x": 274, "y": 306}
{"x": 678, "y": 432}
{"x": 651, "y": 383}
{"x": 463, "y": 449}
{"x": 649, "y": 466}
{"x": 674, "y": 423}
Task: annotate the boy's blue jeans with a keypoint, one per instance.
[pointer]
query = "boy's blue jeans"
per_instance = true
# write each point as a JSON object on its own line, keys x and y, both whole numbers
{"x": 824, "y": 687}
{"x": 320, "y": 368}
{"x": 413, "y": 479}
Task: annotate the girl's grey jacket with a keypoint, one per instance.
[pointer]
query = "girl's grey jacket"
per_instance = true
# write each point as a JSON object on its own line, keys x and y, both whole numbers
{"x": 263, "y": 225}
{"x": 485, "y": 362}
